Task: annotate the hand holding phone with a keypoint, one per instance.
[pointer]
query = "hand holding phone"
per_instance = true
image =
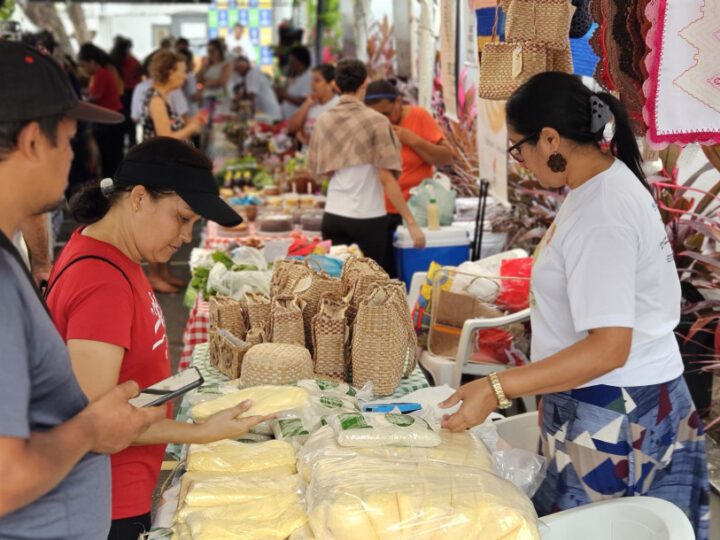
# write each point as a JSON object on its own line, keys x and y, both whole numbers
{"x": 169, "y": 389}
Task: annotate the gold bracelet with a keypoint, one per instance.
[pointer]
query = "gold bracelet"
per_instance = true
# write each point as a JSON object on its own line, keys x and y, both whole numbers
{"x": 503, "y": 401}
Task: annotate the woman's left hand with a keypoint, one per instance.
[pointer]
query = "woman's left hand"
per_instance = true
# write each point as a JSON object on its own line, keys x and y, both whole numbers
{"x": 227, "y": 424}
{"x": 478, "y": 401}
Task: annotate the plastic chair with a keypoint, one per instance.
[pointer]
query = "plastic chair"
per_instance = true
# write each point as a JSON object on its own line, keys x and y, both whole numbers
{"x": 520, "y": 431}
{"x": 448, "y": 370}
{"x": 627, "y": 518}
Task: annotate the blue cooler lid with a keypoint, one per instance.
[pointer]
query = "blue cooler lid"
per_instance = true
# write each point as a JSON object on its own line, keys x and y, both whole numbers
{"x": 444, "y": 237}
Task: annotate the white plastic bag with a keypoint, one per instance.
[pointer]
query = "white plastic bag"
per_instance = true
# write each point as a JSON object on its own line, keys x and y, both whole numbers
{"x": 236, "y": 284}
{"x": 249, "y": 256}
{"x": 377, "y": 429}
{"x": 437, "y": 188}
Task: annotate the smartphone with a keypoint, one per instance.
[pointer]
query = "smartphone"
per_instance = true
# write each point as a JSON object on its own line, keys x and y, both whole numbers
{"x": 168, "y": 389}
{"x": 402, "y": 408}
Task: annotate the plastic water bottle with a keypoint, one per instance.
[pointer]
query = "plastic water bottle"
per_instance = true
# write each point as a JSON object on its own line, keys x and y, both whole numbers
{"x": 433, "y": 215}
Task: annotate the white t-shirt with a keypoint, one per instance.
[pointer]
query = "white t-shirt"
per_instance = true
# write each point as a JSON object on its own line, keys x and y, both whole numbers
{"x": 356, "y": 192}
{"x": 264, "y": 100}
{"x": 300, "y": 86}
{"x": 177, "y": 100}
{"x": 608, "y": 263}
{"x": 314, "y": 113}
{"x": 243, "y": 46}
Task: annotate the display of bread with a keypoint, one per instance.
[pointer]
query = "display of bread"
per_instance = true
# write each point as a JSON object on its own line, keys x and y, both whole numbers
{"x": 265, "y": 400}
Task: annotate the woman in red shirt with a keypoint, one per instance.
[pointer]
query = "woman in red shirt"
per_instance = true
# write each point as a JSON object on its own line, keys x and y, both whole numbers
{"x": 423, "y": 147}
{"x": 104, "y": 307}
{"x": 105, "y": 90}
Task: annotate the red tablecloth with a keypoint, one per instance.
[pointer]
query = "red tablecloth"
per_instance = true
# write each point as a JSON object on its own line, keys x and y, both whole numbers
{"x": 196, "y": 331}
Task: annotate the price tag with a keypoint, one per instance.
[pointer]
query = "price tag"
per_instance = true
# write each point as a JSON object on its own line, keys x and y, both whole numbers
{"x": 517, "y": 61}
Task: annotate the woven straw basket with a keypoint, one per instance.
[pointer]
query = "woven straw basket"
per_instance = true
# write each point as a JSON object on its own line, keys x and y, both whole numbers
{"x": 329, "y": 336}
{"x": 310, "y": 289}
{"x": 286, "y": 272}
{"x": 383, "y": 341}
{"x": 258, "y": 310}
{"x": 286, "y": 319}
{"x": 228, "y": 314}
{"x": 541, "y": 21}
{"x": 227, "y": 353}
{"x": 276, "y": 363}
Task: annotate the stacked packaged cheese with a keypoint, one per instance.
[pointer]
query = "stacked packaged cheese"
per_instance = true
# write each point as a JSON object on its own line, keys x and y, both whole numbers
{"x": 236, "y": 490}
{"x": 374, "y": 499}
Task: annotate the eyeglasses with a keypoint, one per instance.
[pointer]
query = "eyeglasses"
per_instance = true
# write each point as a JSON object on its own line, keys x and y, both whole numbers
{"x": 514, "y": 150}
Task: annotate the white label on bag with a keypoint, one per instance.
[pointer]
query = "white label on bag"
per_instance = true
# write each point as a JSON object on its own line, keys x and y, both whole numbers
{"x": 517, "y": 62}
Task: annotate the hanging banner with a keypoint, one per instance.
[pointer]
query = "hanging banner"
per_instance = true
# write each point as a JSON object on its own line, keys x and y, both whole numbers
{"x": 449, "y": 56}
{"x": 426, "y": 55}
{"x": 492, "y": 147}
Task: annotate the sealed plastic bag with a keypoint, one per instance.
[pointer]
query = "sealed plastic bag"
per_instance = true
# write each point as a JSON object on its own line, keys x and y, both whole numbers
{"x": 372, "y": 499}
{"x": 236, "y": 283}
{"x": 236, "y": 457}
{"x": 265, "y": 400}
{"x": 220, "y": 490}
{"x": 268, "y": 519}
{"x": 249, "y": 257}
{"x": 439, "y": 189}
{"x": 376, "y": 429}
{"x": 456, "y": 449}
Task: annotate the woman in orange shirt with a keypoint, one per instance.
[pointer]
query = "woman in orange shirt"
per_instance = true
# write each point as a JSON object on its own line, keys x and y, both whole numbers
{"x": 423, "y": 147}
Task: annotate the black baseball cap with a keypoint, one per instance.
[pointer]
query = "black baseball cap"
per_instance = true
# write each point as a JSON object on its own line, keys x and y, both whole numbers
{"x": 194, "y": 185}
{"x": 35, "y": 86}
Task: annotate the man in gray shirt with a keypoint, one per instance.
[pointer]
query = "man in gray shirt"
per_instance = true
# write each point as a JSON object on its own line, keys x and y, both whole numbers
{"x": 54, "y": 474}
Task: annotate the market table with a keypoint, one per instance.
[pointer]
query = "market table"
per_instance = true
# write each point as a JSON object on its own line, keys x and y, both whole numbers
{"x": 200, "y": 358}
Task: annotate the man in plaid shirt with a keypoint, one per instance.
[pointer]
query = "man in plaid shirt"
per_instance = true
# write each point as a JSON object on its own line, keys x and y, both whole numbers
{"x": 358, "y": 150}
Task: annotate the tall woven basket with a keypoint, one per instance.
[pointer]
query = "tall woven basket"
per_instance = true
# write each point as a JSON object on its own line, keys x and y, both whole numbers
{"x": 310, "y": 290}
{"x": 286, "y": 319}
{"x": 381, "y": 341}
{"x": 286, "y": 273}
{"x": 258, "y": 311}
{"x": 329, "y": 336}
{"x": 228, "y": 314}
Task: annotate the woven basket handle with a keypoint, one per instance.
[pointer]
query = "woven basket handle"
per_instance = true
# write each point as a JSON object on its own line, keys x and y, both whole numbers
{"x": 496, "y": 23}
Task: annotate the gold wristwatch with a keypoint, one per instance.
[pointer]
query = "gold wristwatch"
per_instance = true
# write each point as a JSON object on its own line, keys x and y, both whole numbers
{"x": 503, "y": 401}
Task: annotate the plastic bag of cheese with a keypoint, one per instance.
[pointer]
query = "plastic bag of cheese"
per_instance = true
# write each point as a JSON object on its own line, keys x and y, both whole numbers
{"x": 266, "y": 400}
{"x": 373, "y": 499}
{"x": 455, "y": 449}
{"x": 267, "y": 519}
{"x": 326, "y": 398}
{"x": 377, "y": 429}
{"x": 219, "y": 490}
{"x": 236, "y": 457}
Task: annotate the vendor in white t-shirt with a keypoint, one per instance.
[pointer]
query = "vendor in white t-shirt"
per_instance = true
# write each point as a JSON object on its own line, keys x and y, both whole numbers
{"x": 252, "y": 84}
{"x": 322, "y": 98}
{"x": 239, "y": 43}
{"x": 299, "y": 83}
{"x": 617, "y": 418}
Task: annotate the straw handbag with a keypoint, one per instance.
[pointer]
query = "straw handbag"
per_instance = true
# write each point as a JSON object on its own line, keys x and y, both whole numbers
{"x": 286, "y": 321}
{"x": 310, "y": 290}
{"x": 329, "y": 337}
{"x": 540, "y": 21}
{"x": 505, "y": 66}
{"x": 228, "y": 314}
{"x": 354, "y": 267}
{"x": 258, "y": 311}
{"x": 227, "y": 353}
{"x": 383, "y": 341}
{"x": 286, "y": 272}
{"x": 276, "y": 363}
{"x": 256, "y": 336}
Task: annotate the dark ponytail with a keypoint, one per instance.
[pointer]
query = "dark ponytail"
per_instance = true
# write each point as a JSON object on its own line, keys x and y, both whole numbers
{"x": 562, "y": 102}
{"x": 90, "y": 205}
{"x": 623, "y": 145}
